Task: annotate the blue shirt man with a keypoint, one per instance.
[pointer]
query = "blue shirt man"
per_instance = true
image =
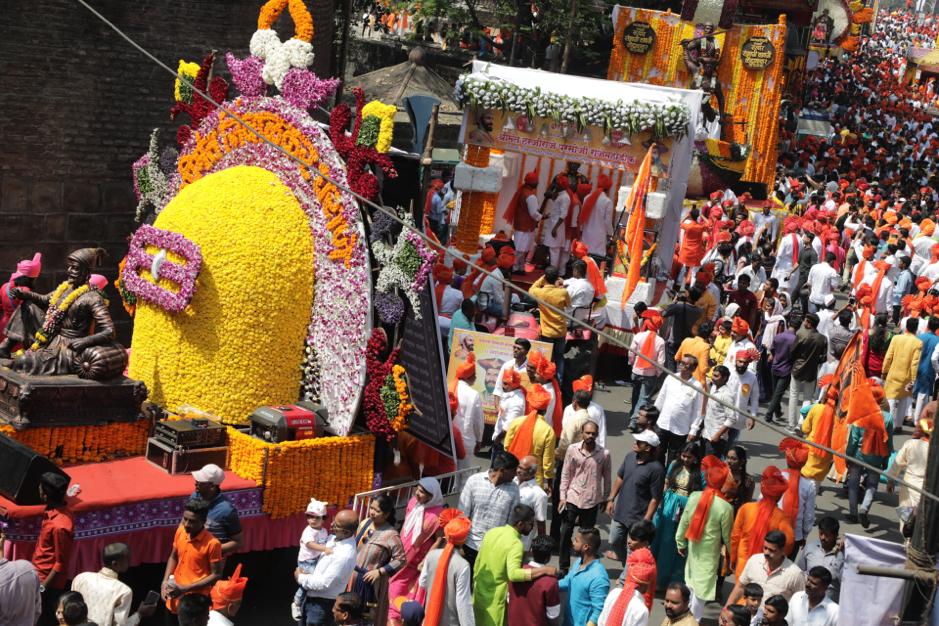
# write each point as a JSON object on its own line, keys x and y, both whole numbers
{"x": 462, "y": 318}
{"x": 587, "y": 583}
{"x": 222, "y": 522}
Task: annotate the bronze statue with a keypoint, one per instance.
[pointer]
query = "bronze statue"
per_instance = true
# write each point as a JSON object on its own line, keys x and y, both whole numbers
{"x": 699, "y": 49}
{"x": 77, "y": 333}
{"x": 712, "y": 106}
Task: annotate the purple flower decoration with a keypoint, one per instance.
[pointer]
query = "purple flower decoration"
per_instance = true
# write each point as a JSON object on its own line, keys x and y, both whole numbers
{"x": 304, "y": 89}
{"x": 246, "y": 74}
{"x": 183, "y": 275}
{"x": 390, "y": 307}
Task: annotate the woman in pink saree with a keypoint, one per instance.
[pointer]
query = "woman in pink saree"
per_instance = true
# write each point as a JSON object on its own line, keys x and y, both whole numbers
{"x": 418, "y": 534}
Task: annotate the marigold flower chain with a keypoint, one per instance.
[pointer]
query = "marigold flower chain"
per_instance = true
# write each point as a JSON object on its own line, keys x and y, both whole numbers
{"x": 56, "y": 313}
{"x": 70, "y": 445}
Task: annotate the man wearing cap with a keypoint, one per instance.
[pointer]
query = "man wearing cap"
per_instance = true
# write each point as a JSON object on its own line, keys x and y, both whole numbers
{"x": 596, "y": 217}
{"x": 808, "y": 354}
{"x": 447, "y": 578}
{"x": 523, "y": 215}
{"x": 226, "y": 599}
{"x": 531, "y": 435}
{"x": 637, "y": 490}
{"x": 745, "y": 386}
{"x": 223, "y": 520}
{"x": 107, "y": 598}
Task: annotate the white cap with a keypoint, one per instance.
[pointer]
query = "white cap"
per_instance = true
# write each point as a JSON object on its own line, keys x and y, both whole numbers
{"x": 211, "y": 473}
{"x": 315, "y": 507}
{"x": 649, "y": 437}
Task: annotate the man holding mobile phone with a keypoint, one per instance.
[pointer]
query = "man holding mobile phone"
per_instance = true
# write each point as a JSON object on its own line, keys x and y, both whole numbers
{"x": 108, "y": 599}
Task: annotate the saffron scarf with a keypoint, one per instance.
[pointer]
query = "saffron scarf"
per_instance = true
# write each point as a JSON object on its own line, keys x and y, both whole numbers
{"x": 524, "y": 437}
{"x": 641, "y": 568}
{"x": 456, "y": 532}
{"x": 772, "y": 485}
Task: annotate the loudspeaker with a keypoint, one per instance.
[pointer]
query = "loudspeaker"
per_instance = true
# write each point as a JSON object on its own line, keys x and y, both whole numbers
{"x": 20, "y": 469}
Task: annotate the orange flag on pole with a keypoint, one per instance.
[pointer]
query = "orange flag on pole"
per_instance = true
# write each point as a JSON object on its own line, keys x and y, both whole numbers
{"x": 636, "y": 205}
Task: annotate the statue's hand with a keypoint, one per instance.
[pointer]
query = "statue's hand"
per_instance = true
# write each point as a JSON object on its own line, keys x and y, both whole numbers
{"x": 18, "y": 293}
{"x": 77, "y": 345}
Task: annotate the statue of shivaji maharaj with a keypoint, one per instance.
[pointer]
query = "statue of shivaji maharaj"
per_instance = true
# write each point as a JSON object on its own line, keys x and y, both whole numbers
{"x": 76, "y": 335}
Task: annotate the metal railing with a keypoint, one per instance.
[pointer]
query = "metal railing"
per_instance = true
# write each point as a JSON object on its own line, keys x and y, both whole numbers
{"x": 450, "y": 484}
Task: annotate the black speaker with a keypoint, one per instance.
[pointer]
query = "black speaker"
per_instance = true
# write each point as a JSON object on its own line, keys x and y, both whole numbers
{"x": 20, "y": 469}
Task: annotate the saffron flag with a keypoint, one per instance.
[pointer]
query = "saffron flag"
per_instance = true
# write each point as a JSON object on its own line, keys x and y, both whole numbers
{"x": 636, "y": 205}
{"x": 832, "y": 429}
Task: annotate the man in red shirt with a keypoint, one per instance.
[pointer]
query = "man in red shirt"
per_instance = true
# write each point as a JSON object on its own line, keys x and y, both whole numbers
{"x": 54, "y": 545}
{"x": 536, "y": 602}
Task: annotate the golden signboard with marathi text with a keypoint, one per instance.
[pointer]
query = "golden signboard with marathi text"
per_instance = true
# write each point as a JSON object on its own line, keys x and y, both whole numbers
{"x": 757, "y": 53}
{"x": 639, "y": 37}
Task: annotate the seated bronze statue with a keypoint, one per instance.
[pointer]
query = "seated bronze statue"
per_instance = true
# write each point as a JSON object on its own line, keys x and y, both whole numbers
{"x": 76, "y": 333}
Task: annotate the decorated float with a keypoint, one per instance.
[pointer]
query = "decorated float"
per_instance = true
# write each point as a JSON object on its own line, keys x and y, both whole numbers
{"x": 280, "y": 324}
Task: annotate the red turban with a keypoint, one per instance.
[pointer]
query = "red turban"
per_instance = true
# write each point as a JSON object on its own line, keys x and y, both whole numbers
{"x": 531, "y": 179}
{"x": 459, "y": 264}
{"x": 722, "y": 237}
{"x": 488, "y": 256}
{"x": 227, "y": 591}
{"x": 563, "y": 181}
{"x": 642, "y": 571}
{"x": 584, "y": 383}
{"x": 604, "y": 182}
{"x": 749, "y": 355}
{"x": 579, "y": 249}
{"x": 797, "y": 453}
{"x": 538, "y": 398}
{"x": 716, "y": 212}
{"x": 740, "y": 326}
{"x": 715, "y": 475}
{"x": 716, "y": 195}
{"x": 442, "y": 273}
{"x": 746, "y": 228}
{"x": 583, "y": 189}
{"x": 511, "y": 379}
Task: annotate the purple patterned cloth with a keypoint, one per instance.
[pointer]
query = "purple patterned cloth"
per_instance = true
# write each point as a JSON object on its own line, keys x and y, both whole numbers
{"x": 162, "y": 513}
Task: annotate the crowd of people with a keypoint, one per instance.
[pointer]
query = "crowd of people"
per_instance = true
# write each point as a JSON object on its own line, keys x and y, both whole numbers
{"x": 762, "y": 306}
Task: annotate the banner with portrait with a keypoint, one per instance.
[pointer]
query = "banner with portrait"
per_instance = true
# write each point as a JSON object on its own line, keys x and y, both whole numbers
{"x": 491, "y": 352}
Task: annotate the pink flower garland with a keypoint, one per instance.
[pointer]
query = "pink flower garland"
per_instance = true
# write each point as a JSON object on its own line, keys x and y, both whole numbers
{"x": 183, "y": 275}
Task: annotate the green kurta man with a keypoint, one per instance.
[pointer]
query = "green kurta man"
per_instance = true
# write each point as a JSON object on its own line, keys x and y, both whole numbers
{"x": 500, "y": 562}
{"x": 713, "y": 527}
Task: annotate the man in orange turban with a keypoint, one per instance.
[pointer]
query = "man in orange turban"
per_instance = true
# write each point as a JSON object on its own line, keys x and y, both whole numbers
{"x": 596, "y": 216}
{"x": 647, "y": 349}
{"x": 755, "y": 519}
{"x": 523, "y": 216}
{"x": 531, "y": 435}
{"x": 870, "y": 439}
{"x": 511, "y": 405}
{"x": 581, "y": 252}
{"x": 631, "y": 603}
{"x": 443, "y": 275}
{"x": 226, "y": 597}
{"x": 447, "y": 576}
{"x": 704, "y": 529}
{"x": 468, "y": 415}
{"x": 798, "y": 502}
{"x": 474, "y": 279}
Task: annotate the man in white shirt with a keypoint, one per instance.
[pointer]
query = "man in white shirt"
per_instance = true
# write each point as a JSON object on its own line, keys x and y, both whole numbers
{"x": 553, "y": 232}
{"x": 823, "y": 280}
{"x": 107, "y": 598}
{"x": 469, "y": 411}
{"x": 826, "y": 313}
{"x": 518, "y": 362}
{"x": 511, "y": 405}
{"x": 332, "y": 571}
{"x": 715, "y": 424}
{"x": 530, "y": 494}
{"x": 766, "y": 223}
{"x": 787, "y": 256}
{"x": 596, "y": 217}
{"x": 583, "y": 399}
{"x": 745, "y": 386}
{"x": 813, "y": 607}
{"x": 883, "y": 298}
{"x": 578, "y": 287}
{"x": 771, "y": 570}
{"x": 678, "y": 404}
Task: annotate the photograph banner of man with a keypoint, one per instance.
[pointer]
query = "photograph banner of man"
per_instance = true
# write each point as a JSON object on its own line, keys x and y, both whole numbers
{"x": 491, "y": 351}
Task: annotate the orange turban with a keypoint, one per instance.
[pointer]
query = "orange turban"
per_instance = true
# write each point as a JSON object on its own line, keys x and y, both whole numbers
{"x": 653, "y": 320}
{"x": 457, "y": 530}
{"x": 442, "y": 273}
{"x": 749, "y": 355}
{"x": 448, "y": 515}
{"x": 797, "y": 453}
{"x": 604, "y": 182}
{"x": 582, "y": 190}
{"x": 740, "y": 326}
{"x": 584, "y": 383}
{"x": 722, "y": 237}
{"x": 467, "y": 368}
{"x": 506, "y": 258}
{"x": 923, "y": 283}
{"x": 772, "y": 484}
{"x": 538, "y": 398}
{"x": 642, "y": 571}
{"x": 890, "y": 218}
{"x": 928, "y": 227}
{"x": 579, "y": 249}
{"x": 488, "y": 256}
{"x": 227, "y": 591}
{"x": 510, "y": 379}
{"x": 535, "y": 359}
{"x": 547, "y": 369}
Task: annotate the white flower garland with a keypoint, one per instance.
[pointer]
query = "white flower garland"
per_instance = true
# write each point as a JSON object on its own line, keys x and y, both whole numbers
{"x": 665, "y": 119}
{"x": 279, "y": 56}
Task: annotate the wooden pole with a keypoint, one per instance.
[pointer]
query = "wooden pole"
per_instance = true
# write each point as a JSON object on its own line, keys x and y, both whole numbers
{"x": 427, "y": 158}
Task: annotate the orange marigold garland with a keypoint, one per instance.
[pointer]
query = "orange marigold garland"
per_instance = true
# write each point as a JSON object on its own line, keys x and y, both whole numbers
{"x": 337, "y": 467}
{"x": 70, "y": 445}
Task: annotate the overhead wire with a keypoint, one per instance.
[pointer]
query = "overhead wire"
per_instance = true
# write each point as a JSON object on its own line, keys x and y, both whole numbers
{"x": 454, "y": 253}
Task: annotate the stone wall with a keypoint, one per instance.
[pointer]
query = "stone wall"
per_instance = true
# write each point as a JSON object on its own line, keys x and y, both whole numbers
{"x": 78, "y": 103}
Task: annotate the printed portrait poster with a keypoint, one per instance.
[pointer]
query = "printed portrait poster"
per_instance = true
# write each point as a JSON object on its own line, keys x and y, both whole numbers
{"x": 491, "y": 352}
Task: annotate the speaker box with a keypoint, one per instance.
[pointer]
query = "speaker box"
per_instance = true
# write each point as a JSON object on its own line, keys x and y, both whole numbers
{"x": 20, "y": 469}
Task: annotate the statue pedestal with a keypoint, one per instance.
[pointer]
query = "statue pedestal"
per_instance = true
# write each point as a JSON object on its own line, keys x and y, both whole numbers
{"x": 42, "y": 401}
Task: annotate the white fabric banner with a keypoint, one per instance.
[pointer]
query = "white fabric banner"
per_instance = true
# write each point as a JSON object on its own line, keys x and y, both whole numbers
{"x": 871, "y": 600}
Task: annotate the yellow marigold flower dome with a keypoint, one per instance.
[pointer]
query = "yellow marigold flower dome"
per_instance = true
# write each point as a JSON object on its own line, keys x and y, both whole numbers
{"x": 239, "y": 344}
